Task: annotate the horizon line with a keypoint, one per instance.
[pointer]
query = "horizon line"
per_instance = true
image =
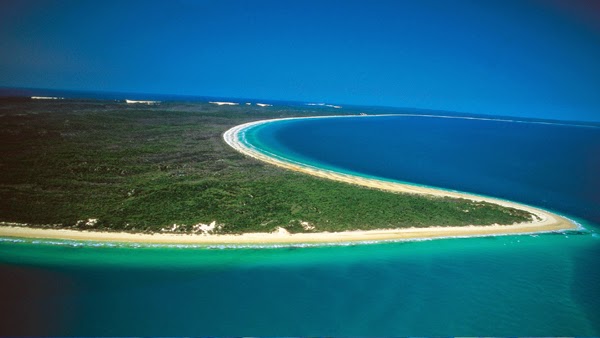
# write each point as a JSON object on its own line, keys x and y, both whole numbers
{"x": 207, "y": 98}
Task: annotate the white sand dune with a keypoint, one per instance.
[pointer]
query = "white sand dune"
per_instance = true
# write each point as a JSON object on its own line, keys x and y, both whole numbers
{"x": 219, "y": 103}
{"x": 141, "y": 102}
{"x": 47, "y": 98}
{"x": 324, "y": 105}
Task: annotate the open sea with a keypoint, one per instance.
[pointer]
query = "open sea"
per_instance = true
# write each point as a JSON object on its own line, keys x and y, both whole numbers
{"x": 530, "y": 285}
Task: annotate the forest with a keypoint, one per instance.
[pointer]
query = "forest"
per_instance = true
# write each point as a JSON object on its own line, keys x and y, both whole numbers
{"x": 111, "y": 166}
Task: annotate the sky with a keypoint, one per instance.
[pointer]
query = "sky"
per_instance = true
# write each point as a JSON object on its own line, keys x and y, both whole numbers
{"x": 530, "y": 58}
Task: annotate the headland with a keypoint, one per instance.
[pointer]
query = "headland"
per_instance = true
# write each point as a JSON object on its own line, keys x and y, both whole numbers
{"x": 543, "y": 221}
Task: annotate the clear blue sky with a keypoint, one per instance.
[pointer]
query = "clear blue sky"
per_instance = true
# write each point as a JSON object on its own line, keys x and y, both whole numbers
{"x": 522, "y": 57}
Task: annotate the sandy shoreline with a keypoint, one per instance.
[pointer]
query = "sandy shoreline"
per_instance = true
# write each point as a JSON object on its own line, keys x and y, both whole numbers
{"x": 545, "y": 222}
{"x": 278, "y": 238}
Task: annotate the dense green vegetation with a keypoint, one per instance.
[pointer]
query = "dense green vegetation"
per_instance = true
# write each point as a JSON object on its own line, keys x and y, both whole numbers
{"x": 144, "y": 168}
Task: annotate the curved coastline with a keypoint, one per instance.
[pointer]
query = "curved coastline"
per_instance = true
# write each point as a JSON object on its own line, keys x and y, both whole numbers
{"x": 235, "y": 137}
{"x": 546, "y": 221}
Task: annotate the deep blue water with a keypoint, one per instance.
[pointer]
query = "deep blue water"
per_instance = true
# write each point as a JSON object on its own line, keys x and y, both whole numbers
{"x": 533, "y": 285}
{"x": 553, "y": 166}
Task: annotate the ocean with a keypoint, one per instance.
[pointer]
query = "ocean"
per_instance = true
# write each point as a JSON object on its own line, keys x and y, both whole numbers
{"x": 531, "y": 285}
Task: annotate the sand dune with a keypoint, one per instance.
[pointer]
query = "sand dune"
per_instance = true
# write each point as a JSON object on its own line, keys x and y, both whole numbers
{"x": 141, "y": 102}
{"x": 219, "y": 103}
{"x": 47, "y": 98}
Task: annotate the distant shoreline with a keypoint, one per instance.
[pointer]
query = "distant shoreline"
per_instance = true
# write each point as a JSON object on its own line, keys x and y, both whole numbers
{"x": 544, "y": 222}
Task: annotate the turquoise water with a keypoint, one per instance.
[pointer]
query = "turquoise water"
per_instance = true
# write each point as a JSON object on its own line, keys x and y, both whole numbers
{"x": 536, "y": 285}
{"x": 526, "y": 285}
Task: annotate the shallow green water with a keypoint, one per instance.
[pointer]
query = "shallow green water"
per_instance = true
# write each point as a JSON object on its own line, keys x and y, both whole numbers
{"x": 523, "y": 285}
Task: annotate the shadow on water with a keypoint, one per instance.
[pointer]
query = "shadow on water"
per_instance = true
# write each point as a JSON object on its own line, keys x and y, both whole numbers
{"x": 585, "y": 288}
{"x": 33, "y": 300}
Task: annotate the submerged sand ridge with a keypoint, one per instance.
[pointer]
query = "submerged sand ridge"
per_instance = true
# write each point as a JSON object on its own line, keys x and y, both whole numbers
{"x": 544, "y": 221}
